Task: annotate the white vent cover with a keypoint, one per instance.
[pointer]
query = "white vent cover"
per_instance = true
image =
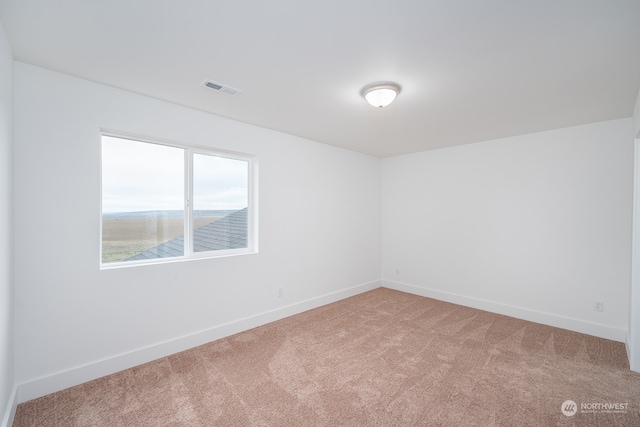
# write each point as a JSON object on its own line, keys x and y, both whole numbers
{"x": 219, "y": 87}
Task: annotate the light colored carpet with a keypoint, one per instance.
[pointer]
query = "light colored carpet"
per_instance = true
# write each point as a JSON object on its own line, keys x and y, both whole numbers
{"x": 382, "y": 358}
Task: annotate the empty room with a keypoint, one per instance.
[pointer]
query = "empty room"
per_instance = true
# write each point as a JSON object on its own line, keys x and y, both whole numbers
{"x": 407, "y": 213}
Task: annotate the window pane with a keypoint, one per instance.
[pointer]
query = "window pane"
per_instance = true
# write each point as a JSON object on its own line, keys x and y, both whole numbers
{"x": 220, "y": 201}
{"x": 142, "y": 200}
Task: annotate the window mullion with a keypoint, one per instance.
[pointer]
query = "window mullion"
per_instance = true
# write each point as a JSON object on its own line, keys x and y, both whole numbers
{"x": 188, "y": 203}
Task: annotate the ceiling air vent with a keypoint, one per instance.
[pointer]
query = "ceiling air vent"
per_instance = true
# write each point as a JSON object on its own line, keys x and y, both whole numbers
{"x": 219, "y": 87}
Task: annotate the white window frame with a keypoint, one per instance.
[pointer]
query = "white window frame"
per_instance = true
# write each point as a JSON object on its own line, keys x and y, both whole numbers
{"x": 189, "y": 151}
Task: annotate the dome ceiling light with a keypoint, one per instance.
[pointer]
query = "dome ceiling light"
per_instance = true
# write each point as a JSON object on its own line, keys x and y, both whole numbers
{"x": 380, "y": 94}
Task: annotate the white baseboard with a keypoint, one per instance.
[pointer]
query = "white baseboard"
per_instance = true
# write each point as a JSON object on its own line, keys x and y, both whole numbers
{"x": 10, "y": 410}
{"x": 634, "y": 364}
{"x": 598, "y": 330}
{"x": 61, "y": 380}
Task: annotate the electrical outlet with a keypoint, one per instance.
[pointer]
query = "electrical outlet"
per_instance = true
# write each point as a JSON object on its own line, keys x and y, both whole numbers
{"x": 397, "y": 271}
{"x": 598, "y": 305}
{"x": 280, "y": 292}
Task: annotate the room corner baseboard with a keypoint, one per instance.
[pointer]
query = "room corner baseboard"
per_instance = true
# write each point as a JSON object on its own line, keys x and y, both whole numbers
{"x": 627, "y": 346}
{"x": 42, "y": 386}
{"x": 10, "y": 410}
{"x": 598, "y": 330}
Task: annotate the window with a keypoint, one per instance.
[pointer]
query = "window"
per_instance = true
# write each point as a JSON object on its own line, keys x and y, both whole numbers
{"x": 165, "y": 201}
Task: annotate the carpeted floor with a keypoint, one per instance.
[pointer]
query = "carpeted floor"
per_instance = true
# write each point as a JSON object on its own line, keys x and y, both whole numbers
{"x": 382, "y": 358}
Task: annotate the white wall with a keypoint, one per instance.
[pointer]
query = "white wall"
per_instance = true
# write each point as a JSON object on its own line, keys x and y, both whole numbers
{"x": 319, "y": 235}
{"x": 536, "y": 226}
{"x": 633, "y": 336}
{"x": 636, "y": 117}
{"x": 633, "y": 340}
{"x": 6, "y": 230}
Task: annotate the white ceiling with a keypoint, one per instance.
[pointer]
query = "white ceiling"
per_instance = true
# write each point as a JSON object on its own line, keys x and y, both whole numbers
{"x": 470, "y": 70}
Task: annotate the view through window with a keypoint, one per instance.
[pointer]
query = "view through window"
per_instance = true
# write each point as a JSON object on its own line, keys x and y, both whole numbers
{"x": 162, "y": 201}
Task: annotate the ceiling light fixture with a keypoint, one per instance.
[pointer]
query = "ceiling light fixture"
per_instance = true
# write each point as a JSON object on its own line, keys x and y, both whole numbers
{"x": 380, "y": 94}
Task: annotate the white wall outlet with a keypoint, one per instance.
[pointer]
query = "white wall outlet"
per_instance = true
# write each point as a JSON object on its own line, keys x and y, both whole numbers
{"x": 397, "y": 271}
{"x": 598, "y": 305}
{"x": 280, "y": 292}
